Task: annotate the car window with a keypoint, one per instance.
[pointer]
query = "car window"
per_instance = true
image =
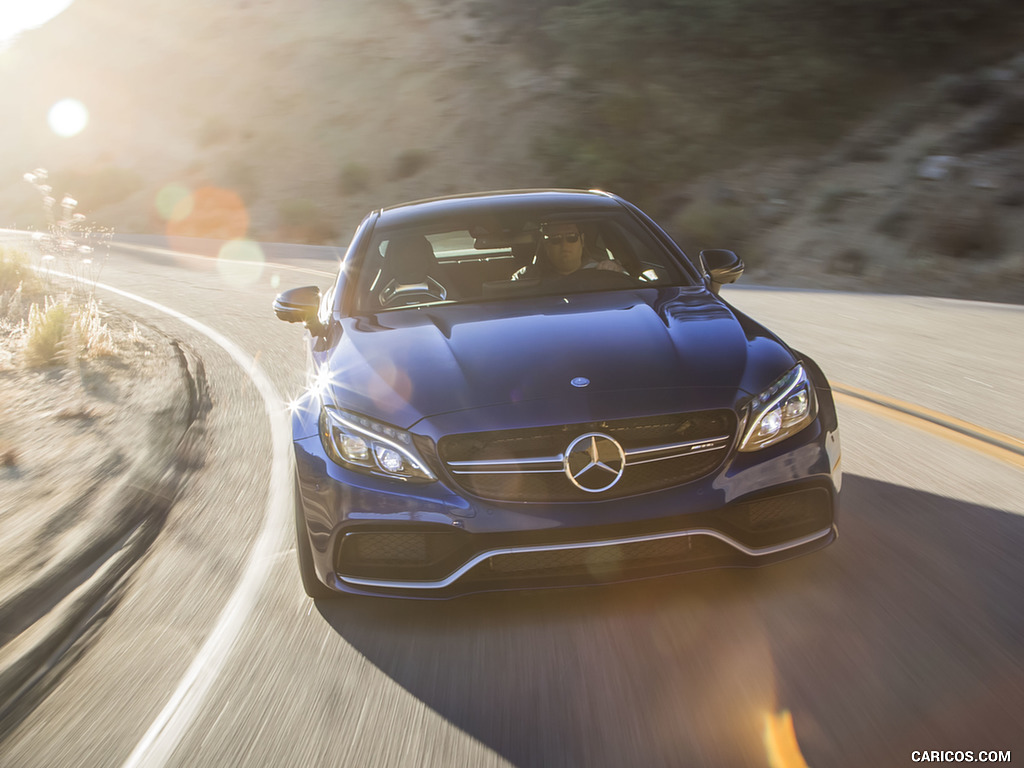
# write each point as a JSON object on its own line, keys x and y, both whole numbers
{"x": 477, "y": 260}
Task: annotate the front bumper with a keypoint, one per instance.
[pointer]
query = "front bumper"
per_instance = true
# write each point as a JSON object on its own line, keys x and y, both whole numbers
{"x": 374, "y": 536}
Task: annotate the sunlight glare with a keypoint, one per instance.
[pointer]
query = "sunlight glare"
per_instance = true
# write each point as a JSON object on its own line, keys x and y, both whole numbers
{"x": 240, "y": 262}
{"x": 174, "y": 202}
{"x": 68, "y": 117}
{"x": 16, "y": 16}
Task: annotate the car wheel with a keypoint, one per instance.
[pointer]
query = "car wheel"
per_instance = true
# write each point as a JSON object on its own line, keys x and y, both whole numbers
{"x": 310, "y": 583}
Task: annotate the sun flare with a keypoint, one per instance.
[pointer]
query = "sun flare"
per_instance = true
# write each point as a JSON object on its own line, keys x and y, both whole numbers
{"x": 17, "y": 16}
{"x": 68, "y": 117}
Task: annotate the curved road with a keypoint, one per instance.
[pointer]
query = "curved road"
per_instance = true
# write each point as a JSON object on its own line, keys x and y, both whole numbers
{"x": 905, "y": 635}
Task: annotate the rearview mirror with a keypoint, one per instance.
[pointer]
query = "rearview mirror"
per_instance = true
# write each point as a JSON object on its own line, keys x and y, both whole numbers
{"x": 720, "y": 267}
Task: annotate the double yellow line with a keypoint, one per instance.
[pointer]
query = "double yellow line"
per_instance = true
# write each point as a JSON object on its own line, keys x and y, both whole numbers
{"x": 995, "y": 444}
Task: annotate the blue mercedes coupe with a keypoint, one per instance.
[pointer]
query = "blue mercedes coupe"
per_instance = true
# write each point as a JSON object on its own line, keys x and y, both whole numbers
{"x": 539, "y": 388}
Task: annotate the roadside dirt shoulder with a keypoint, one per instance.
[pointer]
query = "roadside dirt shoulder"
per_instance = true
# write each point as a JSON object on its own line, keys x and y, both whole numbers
{"x": 91, "y": 456}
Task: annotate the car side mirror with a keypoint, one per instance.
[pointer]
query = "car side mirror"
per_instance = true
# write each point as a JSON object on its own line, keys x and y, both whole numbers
{"x": 720, "y": 267}
{"x": 299, "y": 305}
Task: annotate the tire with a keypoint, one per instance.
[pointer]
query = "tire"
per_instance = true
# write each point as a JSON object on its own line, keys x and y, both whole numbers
{"x": 310, "y": 583}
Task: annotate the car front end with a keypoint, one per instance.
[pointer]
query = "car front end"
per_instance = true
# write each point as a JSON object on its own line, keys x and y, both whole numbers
{"x": 544, "y": 432}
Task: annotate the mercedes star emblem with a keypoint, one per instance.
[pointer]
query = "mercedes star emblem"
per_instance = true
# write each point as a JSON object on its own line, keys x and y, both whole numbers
{"x": 594, "y": 462}
{"x": 580, "y": 381}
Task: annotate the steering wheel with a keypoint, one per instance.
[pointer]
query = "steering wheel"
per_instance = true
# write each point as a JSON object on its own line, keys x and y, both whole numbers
{"x": 400, "y": 294}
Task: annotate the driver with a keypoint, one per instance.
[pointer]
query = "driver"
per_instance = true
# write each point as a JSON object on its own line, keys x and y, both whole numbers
{"x": 562, "y": 253}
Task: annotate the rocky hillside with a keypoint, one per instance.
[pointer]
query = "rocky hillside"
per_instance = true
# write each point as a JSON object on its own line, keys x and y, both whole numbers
{"x": 925, "y": 197}
{"x": 285, "y": 120}
{"x": 310, "y": 112}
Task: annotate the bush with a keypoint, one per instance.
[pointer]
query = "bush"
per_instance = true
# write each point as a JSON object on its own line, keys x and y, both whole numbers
{"x": 960, "y": 229}
{"x": 44, "y": 335}
{"x": 353, "y": 179}
{"x": 58, "y": 332}
{"x": 15, "y": 271}
{"x": 92, "y": 336}
{"x": 409, "y": 163}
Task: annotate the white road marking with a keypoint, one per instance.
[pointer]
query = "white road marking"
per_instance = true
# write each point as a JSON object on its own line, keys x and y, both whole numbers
{"x": 163, "y": 736}
{"x": 210, "y": 259}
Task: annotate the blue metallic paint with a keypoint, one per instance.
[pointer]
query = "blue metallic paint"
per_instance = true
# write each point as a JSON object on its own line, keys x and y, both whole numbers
{"x": 500, "y": 365}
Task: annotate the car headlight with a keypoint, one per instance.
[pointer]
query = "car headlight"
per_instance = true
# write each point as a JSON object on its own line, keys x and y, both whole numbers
{"x": 365, "y": 445}
{"x": 786, "y": 407}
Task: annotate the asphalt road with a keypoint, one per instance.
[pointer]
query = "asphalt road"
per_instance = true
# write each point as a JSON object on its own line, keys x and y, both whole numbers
{"x": 905, "y": 635}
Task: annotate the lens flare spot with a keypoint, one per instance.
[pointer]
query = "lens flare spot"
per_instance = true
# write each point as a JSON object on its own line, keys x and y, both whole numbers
{"x": 174, "y": 202}
{"x": 68, "y": 117}
{"x": 275, "y": 281}
{"x": 390, "y": 381}
{"x": 216, "y": 213}
{"x": 240, "y": 262}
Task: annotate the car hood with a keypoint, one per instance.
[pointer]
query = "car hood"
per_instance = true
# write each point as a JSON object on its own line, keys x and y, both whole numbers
{"x": 402, "y": 366}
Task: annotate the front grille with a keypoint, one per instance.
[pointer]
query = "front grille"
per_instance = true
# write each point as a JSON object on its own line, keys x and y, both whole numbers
{"x": 527, "y": 464}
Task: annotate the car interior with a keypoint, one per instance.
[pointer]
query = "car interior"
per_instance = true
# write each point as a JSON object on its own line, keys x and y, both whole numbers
{"x": 480, "y": 263}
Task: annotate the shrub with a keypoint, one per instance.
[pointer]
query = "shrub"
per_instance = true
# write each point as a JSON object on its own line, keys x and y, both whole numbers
{"x": 59, "y": 332}
{"x": 92, "y": 336}
{"x": 44, "y": 336}
{"x": 353, "y": 179}
{"x": 409, "y": 163}
{"x": 964, "y": 230}
{"x": 955, "y": 221}
{"x": 15, "y": 270}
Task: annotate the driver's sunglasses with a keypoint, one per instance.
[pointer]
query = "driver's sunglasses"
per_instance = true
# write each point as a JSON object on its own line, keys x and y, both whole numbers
{"x": 570, "y": 237}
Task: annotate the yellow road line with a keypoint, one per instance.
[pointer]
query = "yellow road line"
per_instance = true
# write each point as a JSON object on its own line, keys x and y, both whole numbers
{"x": 995, "y": 444}
{"x": 780, "y": 741}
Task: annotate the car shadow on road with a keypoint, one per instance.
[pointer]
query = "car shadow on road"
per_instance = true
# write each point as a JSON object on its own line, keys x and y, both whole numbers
{"x": 904, "y": 635}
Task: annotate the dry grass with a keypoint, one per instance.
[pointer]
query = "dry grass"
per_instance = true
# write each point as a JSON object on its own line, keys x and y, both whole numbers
{"x": 60, "y": 331}
{"x": 16, "y": 272}
{"x": 44, "y": 334}
{"x": 92, "y": 333}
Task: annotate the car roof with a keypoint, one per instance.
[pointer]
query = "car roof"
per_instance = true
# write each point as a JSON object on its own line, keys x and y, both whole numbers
{"x": 510, "y": 201}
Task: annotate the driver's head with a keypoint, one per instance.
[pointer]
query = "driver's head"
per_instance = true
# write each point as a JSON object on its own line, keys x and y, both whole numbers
{"x": 563, "y": 247}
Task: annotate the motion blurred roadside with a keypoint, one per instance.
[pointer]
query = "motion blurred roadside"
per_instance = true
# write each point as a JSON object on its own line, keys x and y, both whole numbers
{"x": 876, "y": 145}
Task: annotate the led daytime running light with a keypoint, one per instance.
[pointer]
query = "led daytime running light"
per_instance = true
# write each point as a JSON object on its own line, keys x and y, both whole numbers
{"x": 774, "y": 398}
{"x": 363, "y": 427}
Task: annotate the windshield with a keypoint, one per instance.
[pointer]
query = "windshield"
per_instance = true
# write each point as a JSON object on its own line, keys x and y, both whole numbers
{"x": 477, "y": 258}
